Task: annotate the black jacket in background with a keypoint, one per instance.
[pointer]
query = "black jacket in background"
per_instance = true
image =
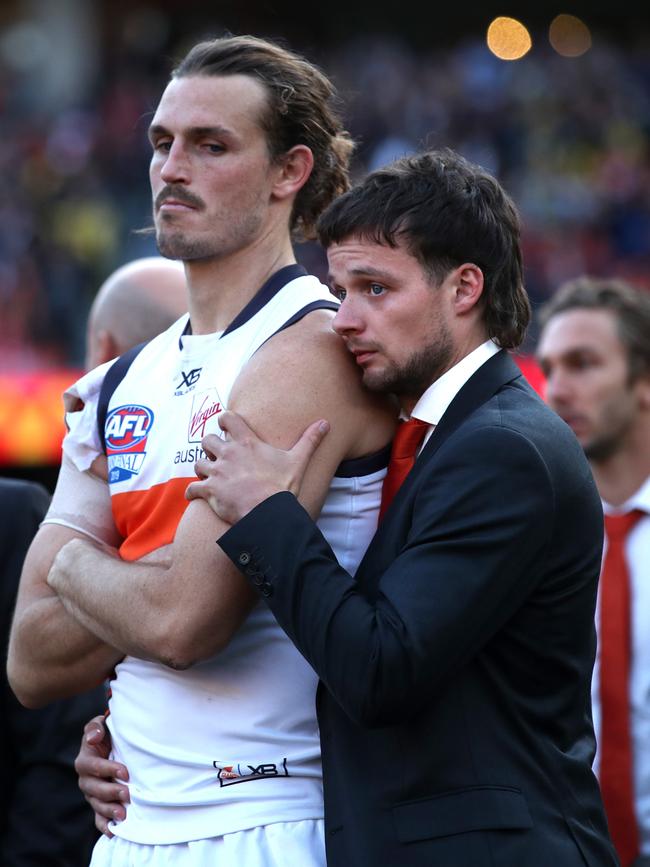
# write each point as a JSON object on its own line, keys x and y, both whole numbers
{"x": 44, "y": 819}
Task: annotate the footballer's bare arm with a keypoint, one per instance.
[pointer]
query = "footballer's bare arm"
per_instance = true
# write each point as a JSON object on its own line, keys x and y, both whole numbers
{"x": 189, "y": 610}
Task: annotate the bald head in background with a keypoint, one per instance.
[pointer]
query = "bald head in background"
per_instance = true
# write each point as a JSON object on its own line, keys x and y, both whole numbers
{"x": 135, "y": 303}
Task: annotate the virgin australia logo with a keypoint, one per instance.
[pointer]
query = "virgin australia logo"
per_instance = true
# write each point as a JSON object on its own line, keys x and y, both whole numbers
{"x": 205, "y": 406}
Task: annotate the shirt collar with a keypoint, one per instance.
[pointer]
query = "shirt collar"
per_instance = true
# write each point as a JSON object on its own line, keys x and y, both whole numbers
{"x": 435, "y": 400}
{"x": 639, "y": 500}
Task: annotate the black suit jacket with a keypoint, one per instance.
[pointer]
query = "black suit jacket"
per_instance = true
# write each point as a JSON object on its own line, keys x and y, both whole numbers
{"x": 454, "y": 703}
{"x": 44, "y": 819}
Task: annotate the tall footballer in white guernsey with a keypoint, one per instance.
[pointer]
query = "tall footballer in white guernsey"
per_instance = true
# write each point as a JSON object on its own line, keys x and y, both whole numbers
{"x": 247, "y": 714}
{"x": 212, "y": 709}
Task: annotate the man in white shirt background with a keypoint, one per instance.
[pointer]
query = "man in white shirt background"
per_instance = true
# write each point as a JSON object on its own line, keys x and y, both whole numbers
{"x": 595, "y": 352}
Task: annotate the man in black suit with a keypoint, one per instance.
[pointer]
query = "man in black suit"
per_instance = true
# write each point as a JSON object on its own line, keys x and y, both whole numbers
{"x": 454, "y": 703}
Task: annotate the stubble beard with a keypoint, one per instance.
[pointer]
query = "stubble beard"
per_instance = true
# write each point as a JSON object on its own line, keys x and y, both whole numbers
{"x": 175, "y": 244}
{"x": 411, "y": 379}
{"x": 618, "y": 419}
{"x": 601, "y": 448}
{"x": 178, "y": 246}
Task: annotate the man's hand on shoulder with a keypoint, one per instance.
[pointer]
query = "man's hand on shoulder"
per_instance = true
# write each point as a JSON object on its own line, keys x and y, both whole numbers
{"x": 243, "y": 470}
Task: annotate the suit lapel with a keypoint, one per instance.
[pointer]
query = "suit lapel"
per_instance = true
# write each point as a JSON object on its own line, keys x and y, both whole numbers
{"x": 497, "y": 371}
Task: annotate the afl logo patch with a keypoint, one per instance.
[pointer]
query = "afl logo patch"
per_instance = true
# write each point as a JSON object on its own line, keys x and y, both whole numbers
{"x": 127, "y": 427}
{"x": 126, "y": 431}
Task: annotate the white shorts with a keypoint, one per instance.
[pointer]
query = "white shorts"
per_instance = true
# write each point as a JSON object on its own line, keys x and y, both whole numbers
{"x": 282, "y": 844}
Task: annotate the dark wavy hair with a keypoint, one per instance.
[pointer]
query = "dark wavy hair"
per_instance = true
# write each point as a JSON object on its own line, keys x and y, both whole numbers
{"x": 301, "y": 109}
{"x": 446, "y": 211}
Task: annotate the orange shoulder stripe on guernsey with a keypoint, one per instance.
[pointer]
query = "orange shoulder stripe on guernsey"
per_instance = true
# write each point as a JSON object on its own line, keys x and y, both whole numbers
{"x": 148, "y": 519}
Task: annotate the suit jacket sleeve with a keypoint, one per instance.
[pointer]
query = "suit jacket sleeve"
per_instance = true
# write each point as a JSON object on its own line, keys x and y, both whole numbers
{"x": 481, "y": 516}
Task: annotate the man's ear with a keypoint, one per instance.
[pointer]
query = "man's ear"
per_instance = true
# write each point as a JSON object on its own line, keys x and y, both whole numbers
{"x": 643, "y": 390}
{"x": 107, "y": 347}
{"x": 468, "y": 288}
{"x": 294, "y": 170}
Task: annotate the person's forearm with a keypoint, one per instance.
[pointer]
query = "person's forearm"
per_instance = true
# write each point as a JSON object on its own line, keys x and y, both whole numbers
{"x": 113, "y": 599}
{"x": 150, "y": 611}
{"x": 52, "y": 656}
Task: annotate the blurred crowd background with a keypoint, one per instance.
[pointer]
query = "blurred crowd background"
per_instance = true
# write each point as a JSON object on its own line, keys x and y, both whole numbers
{"x": 568, "y": 136}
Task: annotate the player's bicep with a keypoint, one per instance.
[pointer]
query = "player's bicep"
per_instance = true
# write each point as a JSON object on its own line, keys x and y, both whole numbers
{"x": 282, "y": 423}
{"x": 300, "y": 375}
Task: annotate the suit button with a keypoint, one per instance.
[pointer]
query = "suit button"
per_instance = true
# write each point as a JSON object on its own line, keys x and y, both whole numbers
{"x": 266, "y": 588}
{"x": 258, "y": 579}
{"x": 244, "y": 558}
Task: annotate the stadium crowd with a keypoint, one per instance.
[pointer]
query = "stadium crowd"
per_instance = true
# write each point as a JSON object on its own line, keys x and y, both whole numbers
{"x": 568, "y": 137}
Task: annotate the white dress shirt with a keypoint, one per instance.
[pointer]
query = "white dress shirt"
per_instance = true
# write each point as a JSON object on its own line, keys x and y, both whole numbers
{"x": 434, "y": 402}
{"x": 637, "y": 550}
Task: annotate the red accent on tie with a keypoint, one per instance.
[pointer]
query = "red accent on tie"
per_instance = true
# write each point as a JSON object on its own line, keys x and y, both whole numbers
{"x": 408, "y": 437}
{"x": 615, "y": 636}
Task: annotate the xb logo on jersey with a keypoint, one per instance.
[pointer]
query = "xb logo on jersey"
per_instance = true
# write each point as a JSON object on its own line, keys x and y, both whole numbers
{"x": 235, "y": 772}
{"x": 188, "y": 381}
{"x": 126, "y": 431}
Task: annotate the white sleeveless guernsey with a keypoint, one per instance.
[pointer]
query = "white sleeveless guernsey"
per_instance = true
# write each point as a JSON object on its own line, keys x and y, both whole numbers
{"x": 231, "y": 743}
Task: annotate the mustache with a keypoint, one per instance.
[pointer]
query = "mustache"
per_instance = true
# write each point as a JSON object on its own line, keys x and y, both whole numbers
{"x": 358, "y": 347}
{"x": 180, "y": 194}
